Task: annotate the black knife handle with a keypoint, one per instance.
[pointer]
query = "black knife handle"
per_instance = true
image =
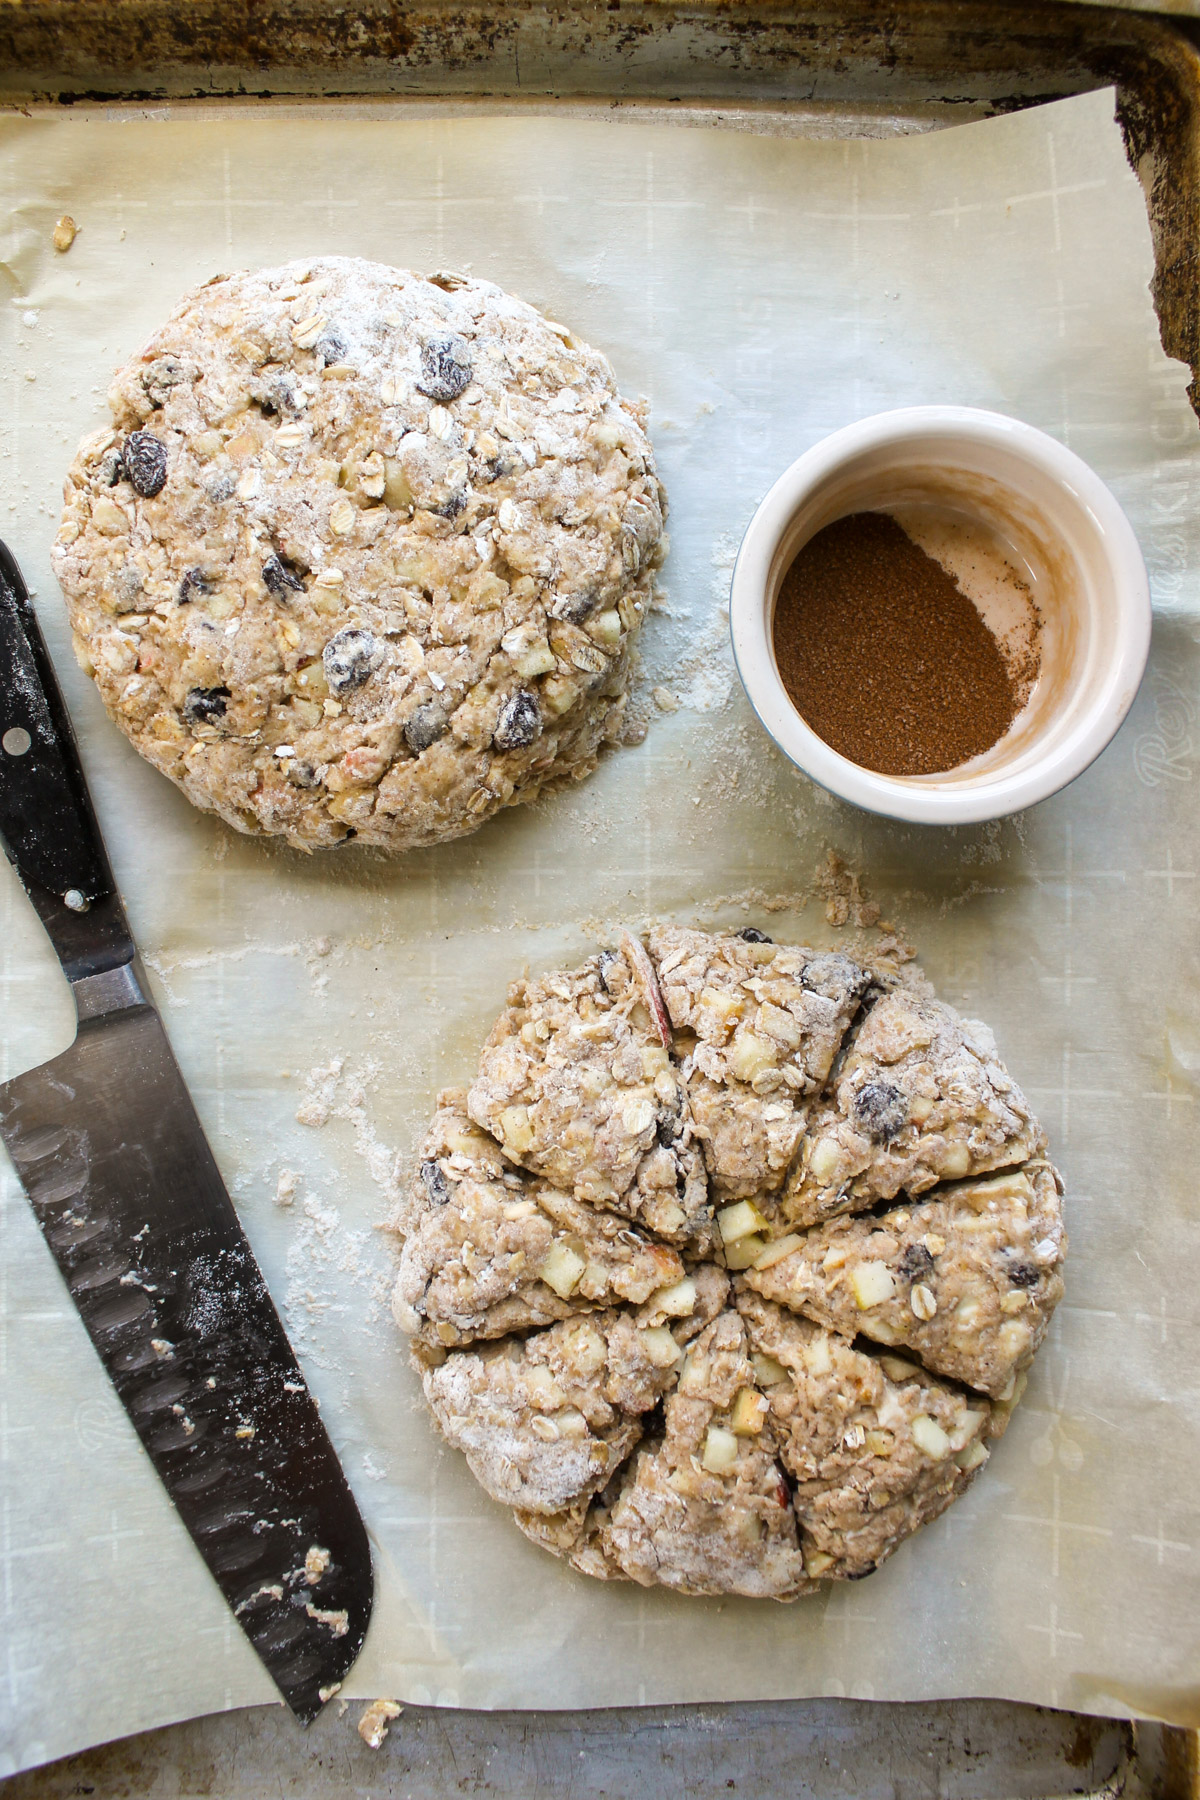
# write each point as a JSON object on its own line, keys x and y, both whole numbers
{"x": 47, "y": 824}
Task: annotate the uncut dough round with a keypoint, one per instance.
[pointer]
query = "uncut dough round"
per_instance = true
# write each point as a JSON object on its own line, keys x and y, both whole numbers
{"x": 365, "y": 554}
{"x": 726, "y": 1269}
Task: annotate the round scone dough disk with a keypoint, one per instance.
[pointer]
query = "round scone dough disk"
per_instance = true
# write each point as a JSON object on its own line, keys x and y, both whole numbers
{"x": 364, "y": 554}
{"x": 726, "y": 1270}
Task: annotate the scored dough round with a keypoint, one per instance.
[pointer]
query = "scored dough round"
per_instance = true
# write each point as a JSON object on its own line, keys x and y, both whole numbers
{"x": 364, "y": 554}
{"x": 728, "y": 1266}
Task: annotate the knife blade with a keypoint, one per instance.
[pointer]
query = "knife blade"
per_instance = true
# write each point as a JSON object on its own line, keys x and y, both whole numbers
{"x": 122, "y": 1181}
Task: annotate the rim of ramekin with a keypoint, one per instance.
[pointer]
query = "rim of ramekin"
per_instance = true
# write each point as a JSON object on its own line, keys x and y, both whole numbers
{"x": 923, "y": 800}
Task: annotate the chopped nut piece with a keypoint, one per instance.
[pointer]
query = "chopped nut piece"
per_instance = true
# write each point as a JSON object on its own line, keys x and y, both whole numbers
{"x": 64, "y": 233}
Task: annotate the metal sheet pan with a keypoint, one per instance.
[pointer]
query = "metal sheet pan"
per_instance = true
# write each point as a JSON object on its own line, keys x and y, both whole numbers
{"x": 733, "y": 65}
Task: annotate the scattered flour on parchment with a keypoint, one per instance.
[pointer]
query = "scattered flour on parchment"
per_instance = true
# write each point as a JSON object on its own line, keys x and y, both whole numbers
{"x": 334, "y": 1092}
{"x": 684, "y": 664}
{"x": 702, "y": 678}
{"x": 324, "y": 1250}
{"x": 321, "y": 1084}
{"x": 313, "y": 952}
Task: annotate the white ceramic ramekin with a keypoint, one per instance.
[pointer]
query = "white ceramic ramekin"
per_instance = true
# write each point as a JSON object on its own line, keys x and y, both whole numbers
{"x": 1067, "y": 536}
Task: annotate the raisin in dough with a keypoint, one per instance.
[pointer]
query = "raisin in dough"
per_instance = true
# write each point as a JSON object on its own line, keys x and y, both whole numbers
{"x": 922, "y": 1097}
{"x": 669, "y": 1379}
{"x": 966, "y": 1279}
{"x": 490, "y": 1250}
{"x": 362, "y": 553}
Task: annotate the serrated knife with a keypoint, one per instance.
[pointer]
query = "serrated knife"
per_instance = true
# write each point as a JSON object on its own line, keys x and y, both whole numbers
{"x": 114, "y": 1160}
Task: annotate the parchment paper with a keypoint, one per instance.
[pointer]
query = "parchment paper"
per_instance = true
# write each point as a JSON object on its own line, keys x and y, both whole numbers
{"x": 761, "y": 293}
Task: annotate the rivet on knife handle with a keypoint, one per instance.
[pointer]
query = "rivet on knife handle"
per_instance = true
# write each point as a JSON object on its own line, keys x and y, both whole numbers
{"x": 46, "y": 820}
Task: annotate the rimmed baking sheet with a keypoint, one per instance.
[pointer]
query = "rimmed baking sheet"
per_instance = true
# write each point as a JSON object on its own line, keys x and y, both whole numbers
{"x": 760, "y": 292}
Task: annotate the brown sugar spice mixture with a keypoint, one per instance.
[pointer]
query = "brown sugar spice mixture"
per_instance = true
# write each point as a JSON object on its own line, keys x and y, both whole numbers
{"x": 884, "y": 656}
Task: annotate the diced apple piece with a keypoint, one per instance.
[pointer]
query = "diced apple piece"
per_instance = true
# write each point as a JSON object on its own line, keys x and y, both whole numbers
{"x": 585, "y": 1350}
{"x": 815, "y": 1564}
{"x": 694, "y": 1376}
{"x": 896, "y": 1369}
{"x": 824, "y": 1160}
{"x": 929, "y": 1437}
{"x": 954, "y": 1161}
{"x": 605, "y": 629}
{"x": 647, "y": 980}
{"x": 967, "y": 1428}
{"x": 543, "y": 1389}
{"x": 777, "y": 1250}
{"x": 660, "y": 1347}
{"x": 872, "y": 1283}
{"x": 720, "y": 1450}
{"x": 739, "y": 1221}
{"x": 539, "y": 659}
{"x": 972, "y": 1456}
{"x": 780, "y": 1024}
{"x": 562, "y": 1269}
{"x": 559, "y": 695}
{"x": 767, "y": 1372}
{"x": 726, "y": 1006}
{"x": 745, "y": 1253}
{"x": 750, "y": 1055}
{"x": 749, "y": 1411}
{"x": 677, "y": 1301}
{"x": 515, "y": 1129}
